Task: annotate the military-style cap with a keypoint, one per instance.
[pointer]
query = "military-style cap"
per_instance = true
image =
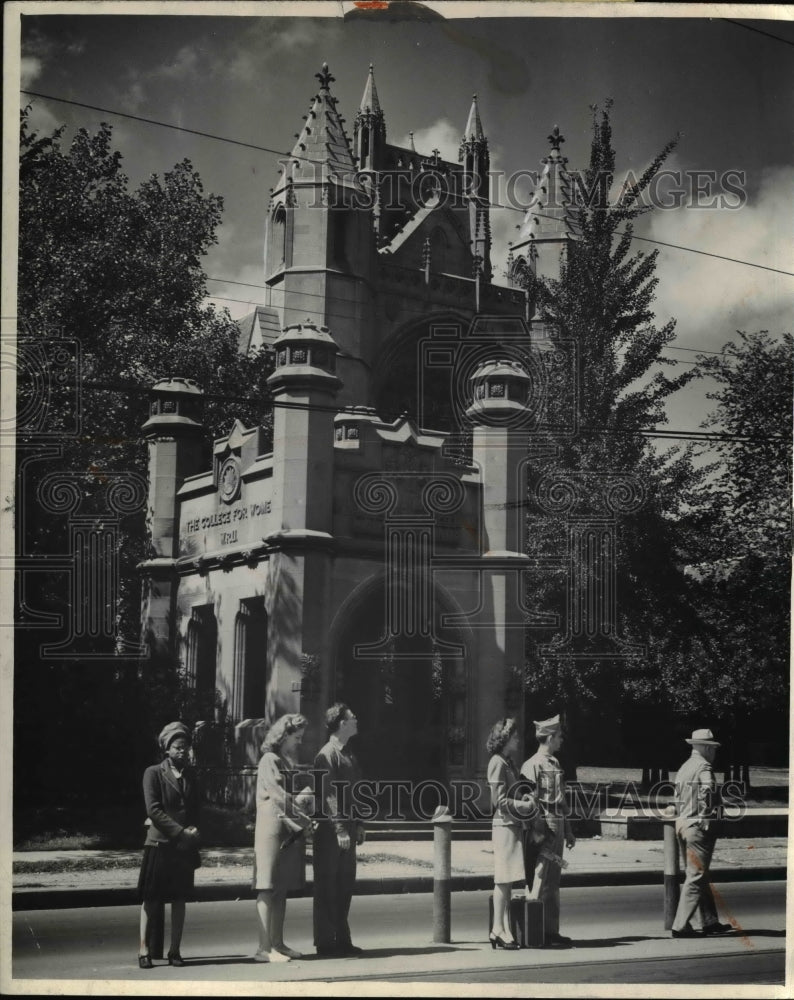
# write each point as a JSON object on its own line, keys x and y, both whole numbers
{"x": 548, "y": 727}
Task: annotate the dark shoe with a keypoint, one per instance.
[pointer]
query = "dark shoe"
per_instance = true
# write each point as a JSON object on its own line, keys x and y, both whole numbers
{"x": 557, "y": 941}
{"x": 687, "y": 932}
{"x": 145, "y": 962}
{"x": 174, "y": 958}
{"x": 328, "y": 951}
{"x": 717, "y": 928}
{"x": 349, "y": 950}
{"x": 497, "y": 941}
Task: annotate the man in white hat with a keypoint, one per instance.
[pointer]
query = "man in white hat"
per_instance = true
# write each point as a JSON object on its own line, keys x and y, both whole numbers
{"x": 696, "y": 791}
{"x": 544, "y": 772}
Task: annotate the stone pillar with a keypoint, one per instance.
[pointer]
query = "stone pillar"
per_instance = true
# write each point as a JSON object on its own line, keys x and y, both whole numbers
{"x": 175, "y": 434}
{"x": 304, "y": 387}
{"x": 499, "y": 412}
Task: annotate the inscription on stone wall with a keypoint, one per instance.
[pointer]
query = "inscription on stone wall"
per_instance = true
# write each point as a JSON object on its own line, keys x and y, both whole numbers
{"x": 220, "y": 527}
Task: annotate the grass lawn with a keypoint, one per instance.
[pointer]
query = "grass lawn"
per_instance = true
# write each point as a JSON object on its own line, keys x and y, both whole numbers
{"x": 116, "y": 827}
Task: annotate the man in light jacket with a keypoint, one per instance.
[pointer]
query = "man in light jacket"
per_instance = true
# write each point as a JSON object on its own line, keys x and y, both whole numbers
{"x": 696, "y": 792}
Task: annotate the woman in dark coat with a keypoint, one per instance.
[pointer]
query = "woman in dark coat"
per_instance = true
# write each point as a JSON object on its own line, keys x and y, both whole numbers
{"x": 170, "y": 854}
{"x": 278, "y": 846}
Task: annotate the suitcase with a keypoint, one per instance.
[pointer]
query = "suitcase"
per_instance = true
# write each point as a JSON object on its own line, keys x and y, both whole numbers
{"x": 526, "y": 921}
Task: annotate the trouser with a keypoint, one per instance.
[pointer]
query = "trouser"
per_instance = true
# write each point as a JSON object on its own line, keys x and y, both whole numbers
{"x": 697, "y": 846}
{"x": 334, "y": 879}
{"x": 550, "y": 878}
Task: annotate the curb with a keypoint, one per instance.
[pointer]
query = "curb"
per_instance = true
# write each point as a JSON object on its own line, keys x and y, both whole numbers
{"x": 65, "y": 899}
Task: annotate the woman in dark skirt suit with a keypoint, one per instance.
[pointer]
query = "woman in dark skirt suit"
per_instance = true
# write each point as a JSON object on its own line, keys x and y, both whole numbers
{"x": 278, "y": 846}
{"x": 508, "y": 848}
{"x": 170, "y": 854}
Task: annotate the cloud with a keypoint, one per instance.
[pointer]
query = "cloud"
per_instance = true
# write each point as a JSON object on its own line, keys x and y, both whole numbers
{"x": 29, "y": 70}
{"x": 186, "y": 64}
{"x": 441, "y": 135}
{"x": 712, "y": 298}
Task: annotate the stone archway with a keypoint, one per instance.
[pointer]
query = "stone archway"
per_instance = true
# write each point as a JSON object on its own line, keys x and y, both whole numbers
{"x": 410, "y": 701}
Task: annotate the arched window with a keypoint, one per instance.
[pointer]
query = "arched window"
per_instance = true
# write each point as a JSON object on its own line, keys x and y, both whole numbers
{"x": 278, "y": 240}
{"x": 520, "y": 274}
{"x": 202, "y": 649}
{"x": 250, "y": 660}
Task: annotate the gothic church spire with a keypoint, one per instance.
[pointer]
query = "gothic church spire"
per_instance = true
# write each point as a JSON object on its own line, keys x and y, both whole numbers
{"x": 323, "y": 141}
{"x": 369, "y": 131}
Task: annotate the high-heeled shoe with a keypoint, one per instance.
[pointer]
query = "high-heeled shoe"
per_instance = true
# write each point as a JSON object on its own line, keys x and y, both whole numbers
{"x": 497, "y": 941}
{"x": 145, "y": 962}
{"x": 284, "y": 949}
{"x": 174, "y": 958}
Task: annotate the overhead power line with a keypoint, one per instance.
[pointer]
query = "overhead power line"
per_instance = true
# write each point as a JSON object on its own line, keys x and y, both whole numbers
{"x": 339, "y": 298}
{"x": 717, "y": 256}
{"x": 281, "y": 153}
{"x": 265, "y": 399}
{"x": 758, "y": 31}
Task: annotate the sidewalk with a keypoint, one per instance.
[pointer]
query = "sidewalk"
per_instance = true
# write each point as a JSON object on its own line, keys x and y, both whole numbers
{"x": 54, "y": 879}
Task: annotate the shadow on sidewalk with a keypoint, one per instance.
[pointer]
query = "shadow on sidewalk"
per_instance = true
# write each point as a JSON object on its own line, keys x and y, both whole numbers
{"x": 392, "y": 952}
{"x": 214, "y": 960}
{"x": 751, "y": 932}
{"x": 611, "y": 942}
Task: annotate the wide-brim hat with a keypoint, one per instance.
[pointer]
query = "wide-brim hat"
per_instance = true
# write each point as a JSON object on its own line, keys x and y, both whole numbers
{"x": 548, "y": 727}
{"x": 704, "y": 737}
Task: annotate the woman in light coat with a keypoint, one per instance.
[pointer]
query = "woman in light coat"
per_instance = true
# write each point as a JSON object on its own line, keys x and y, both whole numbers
{"x": 281, "y": 816}
{"x": 506, "y": 835}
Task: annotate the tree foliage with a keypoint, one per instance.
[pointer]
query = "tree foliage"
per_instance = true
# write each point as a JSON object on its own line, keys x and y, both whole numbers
{"x": 743, "y": 577}
{"x": 603, "y": 303}
{"x": 119, "y": 271}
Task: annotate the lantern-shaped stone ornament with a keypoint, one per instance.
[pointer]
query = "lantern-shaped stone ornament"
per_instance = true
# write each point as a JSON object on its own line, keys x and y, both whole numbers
{"x": 500, "y": 392}
{"x": 305, "y": 354}
{"x": 349, "y": 424}
{"x": 175, "y": 403}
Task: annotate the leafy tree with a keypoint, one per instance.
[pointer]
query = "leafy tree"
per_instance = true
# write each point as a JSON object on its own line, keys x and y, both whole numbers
{"x": 603, "y": 302}
{"x": 744, "y": 574}
{"x": 120, "y": 272}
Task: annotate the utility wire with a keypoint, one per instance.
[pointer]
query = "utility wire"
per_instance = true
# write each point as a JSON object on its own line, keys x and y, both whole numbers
{"x": 759, "y": 31}
{"x": 717, "y": 256}
{"x": 153, "y": 121}
{"x": 253, "y": 284}
{"x": 277, "y": 152}
{"x": 265, "y": 399}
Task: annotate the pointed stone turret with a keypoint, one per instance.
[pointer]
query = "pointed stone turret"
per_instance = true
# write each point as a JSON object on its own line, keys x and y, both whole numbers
{"x": 370, "y": 102}
{"x": 369, "y": 131}
{"x": 473, "y": 125}
{"x": 476, "y": 162}
{"x": 552, "y": 219}
{"x": 322, "y": 146}
{"x": 320, "y": 237}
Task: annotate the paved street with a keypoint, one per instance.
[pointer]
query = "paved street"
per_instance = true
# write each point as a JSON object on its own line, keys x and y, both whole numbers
{"x": 617, "y": 931}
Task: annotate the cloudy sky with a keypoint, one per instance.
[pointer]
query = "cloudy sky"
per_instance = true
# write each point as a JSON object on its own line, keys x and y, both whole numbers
{"x": 726, "y": 87}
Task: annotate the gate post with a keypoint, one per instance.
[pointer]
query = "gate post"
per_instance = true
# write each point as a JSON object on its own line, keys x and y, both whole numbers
{"x": 442, "y": 874}
{"x": 672, "y": 871}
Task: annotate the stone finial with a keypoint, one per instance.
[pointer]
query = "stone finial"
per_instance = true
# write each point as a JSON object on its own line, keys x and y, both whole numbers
{"x": 325, "y": 78}
{"x": 556, "y": 138}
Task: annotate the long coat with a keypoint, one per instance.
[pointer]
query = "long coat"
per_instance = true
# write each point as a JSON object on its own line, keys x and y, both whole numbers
{"x": 169, "y": 807}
